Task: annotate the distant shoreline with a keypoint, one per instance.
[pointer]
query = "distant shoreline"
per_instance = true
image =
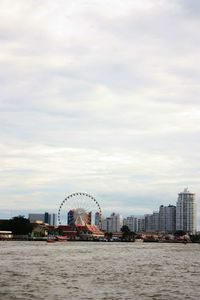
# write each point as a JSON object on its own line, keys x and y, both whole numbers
{"x": 96, "y": 241}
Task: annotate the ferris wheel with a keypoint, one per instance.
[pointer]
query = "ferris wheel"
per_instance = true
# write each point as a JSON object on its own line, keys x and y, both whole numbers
{"x": 79, "y": 209}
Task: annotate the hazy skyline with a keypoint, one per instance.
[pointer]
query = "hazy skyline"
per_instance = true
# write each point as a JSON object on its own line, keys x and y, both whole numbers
{"x": 99, "y": 97}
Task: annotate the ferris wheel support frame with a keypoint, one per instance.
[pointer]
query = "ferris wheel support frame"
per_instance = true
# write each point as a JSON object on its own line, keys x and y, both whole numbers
{"x": 78, "y": 194}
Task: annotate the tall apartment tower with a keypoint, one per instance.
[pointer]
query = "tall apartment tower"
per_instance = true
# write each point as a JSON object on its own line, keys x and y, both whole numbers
{"x": 97, "y": 219}
{"x": 112, "y": 224}
{"x": 152, "y": 222}
{"x": 116, "y": 222}
{"x": 131, "y": 222}
{"x": 140, "y": 224}
{"x": 186, "y": 212}
{"x": 167, "y": 218}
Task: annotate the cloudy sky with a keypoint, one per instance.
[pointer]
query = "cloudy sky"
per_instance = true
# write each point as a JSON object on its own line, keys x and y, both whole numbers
{"x": 101, "y": 97}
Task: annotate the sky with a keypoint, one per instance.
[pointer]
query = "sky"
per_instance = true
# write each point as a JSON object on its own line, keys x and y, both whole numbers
{"x": 99, "y": 97}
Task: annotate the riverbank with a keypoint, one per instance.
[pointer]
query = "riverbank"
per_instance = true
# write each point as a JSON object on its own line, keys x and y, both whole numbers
{"x": 44, "y": 239}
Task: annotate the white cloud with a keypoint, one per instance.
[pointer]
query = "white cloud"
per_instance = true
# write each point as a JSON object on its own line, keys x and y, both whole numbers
{"x": 100, "y": 96}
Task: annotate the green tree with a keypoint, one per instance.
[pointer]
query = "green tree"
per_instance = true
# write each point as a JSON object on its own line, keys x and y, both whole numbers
{"x": 127, "y": 235}
{"x": 59, "y": 231}
{"x": 125, "y": 229}
{"x": 20, "y": 225}
{"x": 179, "y": 233}
{"x": 195, "y": 238}
{"x": 4, "y": 225}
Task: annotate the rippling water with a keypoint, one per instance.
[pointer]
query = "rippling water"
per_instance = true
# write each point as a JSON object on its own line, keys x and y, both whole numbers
{"x": 80, "y": 270}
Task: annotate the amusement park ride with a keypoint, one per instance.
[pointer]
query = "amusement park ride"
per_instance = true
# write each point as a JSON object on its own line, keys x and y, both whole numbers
{"x": 79, "y": 217}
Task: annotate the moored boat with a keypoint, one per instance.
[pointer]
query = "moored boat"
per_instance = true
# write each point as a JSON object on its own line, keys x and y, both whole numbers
{"x": 60, "y": 238}
{"x": 50, "y": 241}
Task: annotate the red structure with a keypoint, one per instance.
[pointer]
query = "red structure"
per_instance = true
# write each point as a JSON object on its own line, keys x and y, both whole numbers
{"x": 81, "y": 232}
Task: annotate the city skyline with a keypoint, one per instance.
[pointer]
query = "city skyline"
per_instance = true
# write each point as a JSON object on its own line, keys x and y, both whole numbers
{"x": 168, "y": 219}
{"x": 99, "y": 96}
{"x": 172, "y": 216}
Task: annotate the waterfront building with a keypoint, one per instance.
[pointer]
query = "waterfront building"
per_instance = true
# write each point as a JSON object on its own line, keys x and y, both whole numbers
{"x": 70, "y": 217}
{"x": 45, "y": 218}
{"x": 97, "y": 219}
{"x": 5, "y": 235}
{"x": 151, "y": 222}
{"x": 140, "y": 224}
{"x": 36, "y": 217}
{"x": 132, "y": 223}
{"x": 106, "y": 225}
{"x": 53, "y": 219}
{"x": 112, "y": 224}
{"x": 155, "y": 221}
{"x": 50, "y": 218}
{"x": 116, "y": 222}
{"x": 167, "y": 218}
{"x": 186, "y": 212}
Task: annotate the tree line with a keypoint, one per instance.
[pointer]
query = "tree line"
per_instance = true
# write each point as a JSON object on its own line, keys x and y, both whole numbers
{"x": 18, "y": 225}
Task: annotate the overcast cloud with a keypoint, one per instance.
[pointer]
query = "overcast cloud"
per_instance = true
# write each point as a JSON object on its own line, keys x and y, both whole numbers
{"x": 101, "y": 97}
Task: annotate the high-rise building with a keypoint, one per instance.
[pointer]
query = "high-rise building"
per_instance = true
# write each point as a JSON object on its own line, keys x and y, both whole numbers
{"x": 186, "y": 212}
{"x": 47, "y": 218}
{"x": 53, "y": 219}
{"x": 106, "y": 225}
{"x": 116, "y": 222}
{"x": 140, "y": 224}
{"x": 70, "y": 217}
{"x": 97, "y": 220}
{"x": 151, "y": 222}
{"x": 50, "y": 218}
{"x": 167, "y": 218}
{"x": 155, "y": 221}
{"x": 112, "y": 224}
{"x": 131, "y": 222}
{"x": 148, "y": 222}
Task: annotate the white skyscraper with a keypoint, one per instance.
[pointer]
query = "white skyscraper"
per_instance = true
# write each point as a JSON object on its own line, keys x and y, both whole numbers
{"x": 186, "y": 212}
{"x": 131, "y": 222}
{"x": 117, "y": 222}
{"x": 113, "y": 223}
{"x": 106, "y": 224}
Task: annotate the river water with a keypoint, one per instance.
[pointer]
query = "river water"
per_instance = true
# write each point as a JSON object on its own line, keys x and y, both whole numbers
{"x": 95, "y": 270}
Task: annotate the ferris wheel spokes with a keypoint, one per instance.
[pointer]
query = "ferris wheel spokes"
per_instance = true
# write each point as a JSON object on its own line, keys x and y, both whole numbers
{"x": 78, "y": 208}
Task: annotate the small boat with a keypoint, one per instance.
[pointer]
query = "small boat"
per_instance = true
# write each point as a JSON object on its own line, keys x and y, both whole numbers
{"x": 60, "y": 238}
{"x": 57, "y": 238}
{"x": 50, "y": 241}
